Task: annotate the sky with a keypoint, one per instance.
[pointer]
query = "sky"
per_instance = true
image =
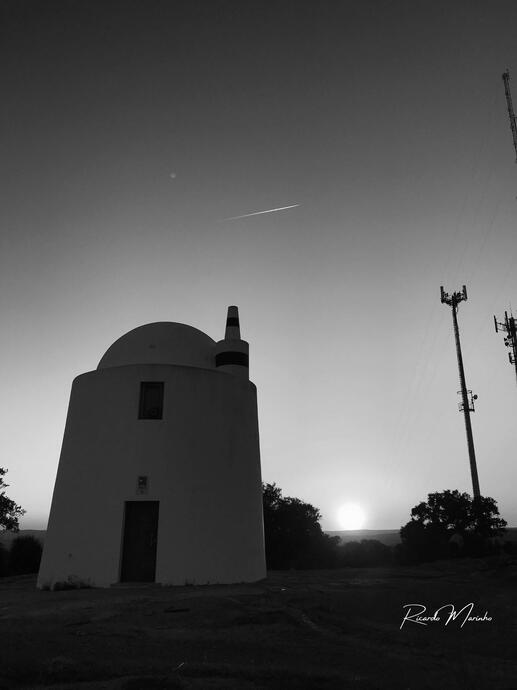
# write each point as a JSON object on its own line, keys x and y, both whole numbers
{"x": 131, "y": 130}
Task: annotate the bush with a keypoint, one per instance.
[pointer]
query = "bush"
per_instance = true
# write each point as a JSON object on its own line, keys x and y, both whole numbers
{"x": 24, "y": 556}
{"x": 510, "y": 548}
{"x": 4, "y": 560}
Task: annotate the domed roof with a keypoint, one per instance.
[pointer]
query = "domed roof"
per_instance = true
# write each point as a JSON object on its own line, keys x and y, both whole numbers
{"x": 163, "y": 342}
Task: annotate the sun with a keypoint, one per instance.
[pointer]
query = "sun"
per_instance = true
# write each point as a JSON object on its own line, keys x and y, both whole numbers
{"x": 351, "y": 516}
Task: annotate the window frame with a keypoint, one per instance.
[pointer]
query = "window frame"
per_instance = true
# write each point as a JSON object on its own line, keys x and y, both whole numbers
{"x": 143, "y": 405}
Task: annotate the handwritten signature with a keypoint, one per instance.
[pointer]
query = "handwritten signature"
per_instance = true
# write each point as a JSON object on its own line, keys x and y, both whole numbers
{"x": 418, "y": 616}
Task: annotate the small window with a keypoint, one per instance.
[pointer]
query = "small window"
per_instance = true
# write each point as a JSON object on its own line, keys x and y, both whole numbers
{"x": 151, "y": 400}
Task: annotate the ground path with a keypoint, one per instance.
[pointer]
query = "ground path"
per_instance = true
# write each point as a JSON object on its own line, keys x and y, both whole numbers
{"x": 294, "y": 630}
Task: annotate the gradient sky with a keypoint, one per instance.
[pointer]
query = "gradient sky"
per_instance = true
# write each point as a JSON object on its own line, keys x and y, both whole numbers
{"x": 385, "y": 120}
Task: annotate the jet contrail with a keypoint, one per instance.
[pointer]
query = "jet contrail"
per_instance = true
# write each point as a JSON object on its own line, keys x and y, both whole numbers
{"x": 258, "y": 213}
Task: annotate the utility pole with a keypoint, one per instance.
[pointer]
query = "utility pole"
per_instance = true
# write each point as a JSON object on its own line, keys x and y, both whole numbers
{"x": 511, "y": 114}
{"x": 467, "y": 399}
{"x": 510, "y": 339}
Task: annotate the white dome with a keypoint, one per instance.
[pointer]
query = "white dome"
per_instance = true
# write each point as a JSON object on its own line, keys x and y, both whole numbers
{"x": 163, "y": 342}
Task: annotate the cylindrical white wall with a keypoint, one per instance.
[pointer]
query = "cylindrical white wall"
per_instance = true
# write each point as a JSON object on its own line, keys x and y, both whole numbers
{"x": 203, "y": 466}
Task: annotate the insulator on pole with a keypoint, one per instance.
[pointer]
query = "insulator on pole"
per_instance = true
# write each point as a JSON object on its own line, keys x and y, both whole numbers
{"x": 509, "y": 329}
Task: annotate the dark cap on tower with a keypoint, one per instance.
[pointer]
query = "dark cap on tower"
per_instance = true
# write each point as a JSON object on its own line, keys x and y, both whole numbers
{"x": 233, "y": 328}
{"x": 231, "y": 354}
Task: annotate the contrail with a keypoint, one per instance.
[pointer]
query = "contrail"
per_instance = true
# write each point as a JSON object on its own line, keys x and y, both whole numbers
{"x": 258, "y": 213}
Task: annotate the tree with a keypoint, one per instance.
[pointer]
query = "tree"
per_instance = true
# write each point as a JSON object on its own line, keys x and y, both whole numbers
{"x": 293, "y": 535}
{"x": 446, "y": 510}
{"x": 447, "y": 513}
{"x": 485, "y": 517}
{"x": 9, "y": 511}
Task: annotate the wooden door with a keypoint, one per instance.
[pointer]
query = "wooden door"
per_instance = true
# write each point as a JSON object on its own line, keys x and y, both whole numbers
{"x": 139, "y": 543}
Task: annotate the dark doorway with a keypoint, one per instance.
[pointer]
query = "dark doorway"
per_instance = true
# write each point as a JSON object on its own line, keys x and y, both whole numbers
{"x": 139, "y": 544}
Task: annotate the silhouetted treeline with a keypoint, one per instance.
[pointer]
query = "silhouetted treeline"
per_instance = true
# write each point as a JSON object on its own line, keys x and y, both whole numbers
{"x": 22, "y": 558}
{"x": 294, "y": 538}
{"x": 448, "y": 525}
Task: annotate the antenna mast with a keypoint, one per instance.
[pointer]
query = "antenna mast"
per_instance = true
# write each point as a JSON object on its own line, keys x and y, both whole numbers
{"x": 467, "y": 399}
{"x": 511, "y": 113}
{"x": 510, "y": 339}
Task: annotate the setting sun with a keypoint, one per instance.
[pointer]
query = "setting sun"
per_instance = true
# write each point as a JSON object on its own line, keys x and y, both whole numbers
{"x": 351, "y": 516}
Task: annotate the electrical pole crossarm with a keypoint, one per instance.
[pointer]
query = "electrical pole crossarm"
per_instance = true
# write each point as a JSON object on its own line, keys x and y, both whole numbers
{"x": 508, "y": 326}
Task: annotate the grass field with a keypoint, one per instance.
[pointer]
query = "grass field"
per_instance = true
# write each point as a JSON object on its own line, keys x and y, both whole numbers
{"x": 294, "y": 630}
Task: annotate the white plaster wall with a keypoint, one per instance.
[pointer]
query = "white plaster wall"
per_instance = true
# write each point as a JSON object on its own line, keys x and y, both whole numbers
{"x": 203, "y": 464}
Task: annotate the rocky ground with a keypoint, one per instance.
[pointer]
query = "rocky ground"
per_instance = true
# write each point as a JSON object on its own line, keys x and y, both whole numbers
{"x": 294, "y": 630}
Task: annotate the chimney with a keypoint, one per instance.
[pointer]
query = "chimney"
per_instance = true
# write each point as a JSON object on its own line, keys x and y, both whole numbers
{"x": 231, "y": 354}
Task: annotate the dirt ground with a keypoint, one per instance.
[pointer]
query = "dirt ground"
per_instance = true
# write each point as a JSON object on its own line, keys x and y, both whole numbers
{"x": 294, "y": 630}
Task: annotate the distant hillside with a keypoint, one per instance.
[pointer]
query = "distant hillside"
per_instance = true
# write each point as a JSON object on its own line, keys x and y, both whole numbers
{"x": 386, "y": 536}
{"x": 390, "y": 537}
{"x": 7, "y": 537}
